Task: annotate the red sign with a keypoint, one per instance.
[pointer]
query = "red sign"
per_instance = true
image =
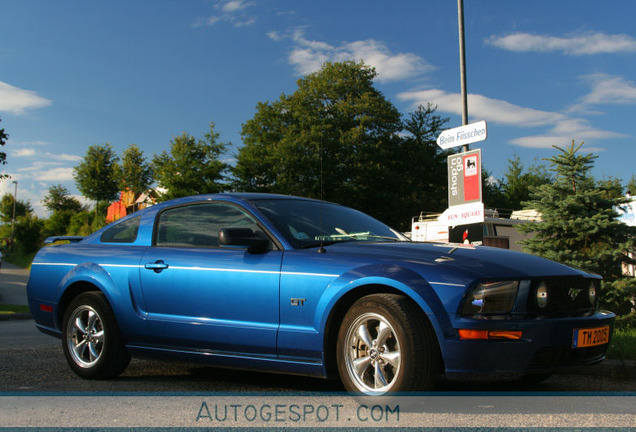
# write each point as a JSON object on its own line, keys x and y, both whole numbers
{"x": 472, "y": 177}
{"x": 464, "y": 178}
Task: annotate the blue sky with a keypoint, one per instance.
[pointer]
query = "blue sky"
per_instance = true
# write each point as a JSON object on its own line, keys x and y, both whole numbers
{"x": 77, "y": 73}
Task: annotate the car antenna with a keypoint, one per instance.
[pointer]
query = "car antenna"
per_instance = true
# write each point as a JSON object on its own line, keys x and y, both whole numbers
{"x": 321, "y": 249}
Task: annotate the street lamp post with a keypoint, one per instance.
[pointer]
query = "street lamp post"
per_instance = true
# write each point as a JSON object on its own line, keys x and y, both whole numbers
{"x": 462, "y": 64}
{"x": 15, "y": 199}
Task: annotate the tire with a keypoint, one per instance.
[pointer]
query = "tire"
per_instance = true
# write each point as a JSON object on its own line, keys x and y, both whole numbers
{"x": 386, "y": 345}
{"x": 91, "y": 340}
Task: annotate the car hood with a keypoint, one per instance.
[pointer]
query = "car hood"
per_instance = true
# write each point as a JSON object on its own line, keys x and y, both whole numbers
{"x": 472, "y": 261}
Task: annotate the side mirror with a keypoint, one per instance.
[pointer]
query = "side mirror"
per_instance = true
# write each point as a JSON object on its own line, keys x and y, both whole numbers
{"x": 243, "y": 237}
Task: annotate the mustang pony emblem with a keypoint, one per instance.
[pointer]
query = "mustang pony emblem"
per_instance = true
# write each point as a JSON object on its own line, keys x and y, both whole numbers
{"x": 573, "y": 293}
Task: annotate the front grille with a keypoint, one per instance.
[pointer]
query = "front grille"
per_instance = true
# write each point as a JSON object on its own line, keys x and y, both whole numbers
{"x": 567, "y": 296}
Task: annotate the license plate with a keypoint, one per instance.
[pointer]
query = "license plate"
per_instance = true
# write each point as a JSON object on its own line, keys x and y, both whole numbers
{"x": 590, "y": 337}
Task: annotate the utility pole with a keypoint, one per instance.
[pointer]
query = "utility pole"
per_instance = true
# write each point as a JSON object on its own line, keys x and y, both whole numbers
{"x": 462, "y": 65}
{"x": 15, "y": 199}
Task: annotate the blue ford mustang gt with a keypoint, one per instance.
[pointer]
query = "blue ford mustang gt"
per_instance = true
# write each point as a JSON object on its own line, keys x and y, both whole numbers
{"x": 301, "y": 286}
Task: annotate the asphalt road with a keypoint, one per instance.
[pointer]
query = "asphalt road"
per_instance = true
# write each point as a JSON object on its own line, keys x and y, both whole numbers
{"x": 33, "y": 361}
{"x": 13, "y": 281}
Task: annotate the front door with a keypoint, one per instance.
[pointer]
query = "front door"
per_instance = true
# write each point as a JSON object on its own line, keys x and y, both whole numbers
{"x": 202, "y": 296}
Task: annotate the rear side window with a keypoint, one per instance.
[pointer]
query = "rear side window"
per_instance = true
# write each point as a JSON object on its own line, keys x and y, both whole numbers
{"x": 198, "y": 225}
{"x": 124, "y": 232}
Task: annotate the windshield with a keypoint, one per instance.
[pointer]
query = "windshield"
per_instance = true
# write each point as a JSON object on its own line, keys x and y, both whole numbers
{"x": 312, "y": 223}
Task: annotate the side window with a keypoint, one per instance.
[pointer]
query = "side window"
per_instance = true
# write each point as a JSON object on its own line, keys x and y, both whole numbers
{"x": 124, "y": 232}
{"x": 198, "y": 225}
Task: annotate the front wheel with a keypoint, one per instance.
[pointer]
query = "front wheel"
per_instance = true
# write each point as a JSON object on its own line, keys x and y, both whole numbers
{"x": 386, "y": 345}
{"x": 92, "y": 344}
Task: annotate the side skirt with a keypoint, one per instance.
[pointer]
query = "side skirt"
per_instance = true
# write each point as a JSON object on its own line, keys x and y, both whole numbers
{"x": 234, "y": 360}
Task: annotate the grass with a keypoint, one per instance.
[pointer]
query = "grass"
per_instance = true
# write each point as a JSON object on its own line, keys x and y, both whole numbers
{"x": 21, "y": 259}
{"x": 623, "y": 346}
{"x": 13, "y": 309}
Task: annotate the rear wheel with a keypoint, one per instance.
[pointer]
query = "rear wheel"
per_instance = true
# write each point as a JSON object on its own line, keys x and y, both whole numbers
{"x": 92, "y": 344}
{"x": 386, "y": 345}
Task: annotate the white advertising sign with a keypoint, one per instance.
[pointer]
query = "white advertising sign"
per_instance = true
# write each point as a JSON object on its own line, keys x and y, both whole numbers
{"x": 627, "y": 213}
{"x": 463, "y": 135}
{"x": 463, "y": 214}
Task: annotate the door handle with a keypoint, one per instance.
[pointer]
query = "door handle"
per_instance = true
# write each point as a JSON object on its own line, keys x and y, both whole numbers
{"x": 156, "y": 266}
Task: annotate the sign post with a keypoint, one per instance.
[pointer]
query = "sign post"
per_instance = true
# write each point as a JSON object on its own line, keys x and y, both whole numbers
{"x": 464, "y": 178}
{"x": 465, "y": 205}
{"x": 463, "y": 135}
{"x": 464, "y": 189}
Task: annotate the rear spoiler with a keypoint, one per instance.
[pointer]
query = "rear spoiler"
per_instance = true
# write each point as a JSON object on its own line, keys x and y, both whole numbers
{"x": 72, "y": 239}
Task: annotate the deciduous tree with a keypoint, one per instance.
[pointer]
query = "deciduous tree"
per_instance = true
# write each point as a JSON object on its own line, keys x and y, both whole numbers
{"x": 58, "y": 198}
{"x": 22, "y": 208}
{"x": 420, "y": 166}
{"x": 136, "y": 173}
{"x": 193, "y": 166}
{"x": 336, "y": 136}
{"x": 3, "y": 156}
{"x": 97, "y": 176}
{"x": 63, "y": 207}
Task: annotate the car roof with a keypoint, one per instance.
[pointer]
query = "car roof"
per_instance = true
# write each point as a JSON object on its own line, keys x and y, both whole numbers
{"x": 235, "y": 196}
{"x": 255, "y": 196}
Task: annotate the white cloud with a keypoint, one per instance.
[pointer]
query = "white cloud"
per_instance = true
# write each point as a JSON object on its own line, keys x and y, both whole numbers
{"x": 232, "y": 12}
{"x": 610, "y": 90}
{"x": 244, "y": 23}
{"x": 57, "y": 174}
{"x": 580, "y": 128}
{"x": 64, "y": 157}
{"x": 233, "y": 5}
{"x": 17, "y": 101}
{"x": 26, "y": 152}
{"x": 50, "y": 157}
{"x": 209, "y": 21}
{"x": 563, "y": 132}
{"x": 562, "y": 129}
{"x": 307, "y": 60}
{"x": 484, "y": 108}
{"x": 7, "y": 186}
{"x": 548, "y": 141}
{"x": 308, "y": 56}
{"x": 37, "y": 166}
{"x": 582, "y": 44}
{"x": 275, "y": 36}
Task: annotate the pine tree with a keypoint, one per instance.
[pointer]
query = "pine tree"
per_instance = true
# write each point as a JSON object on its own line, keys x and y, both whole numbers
{"x": 580, "y": 226}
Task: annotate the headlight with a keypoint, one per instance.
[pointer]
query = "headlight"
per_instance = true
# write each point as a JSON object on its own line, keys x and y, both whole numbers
{"x": 542, "y": 295}
{"x": 592, "y": 293}
{"x": 491, "y": 298}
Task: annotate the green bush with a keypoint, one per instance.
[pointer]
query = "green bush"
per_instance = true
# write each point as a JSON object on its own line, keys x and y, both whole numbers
{"x": 626, "y": 322}
{"x": 623, "y": 346}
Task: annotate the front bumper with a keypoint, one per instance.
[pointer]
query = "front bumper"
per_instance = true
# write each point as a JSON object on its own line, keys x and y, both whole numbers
{"x": 546, "y": 346}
